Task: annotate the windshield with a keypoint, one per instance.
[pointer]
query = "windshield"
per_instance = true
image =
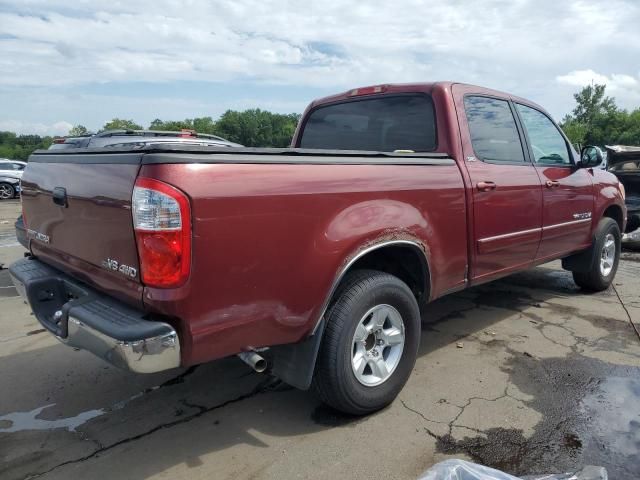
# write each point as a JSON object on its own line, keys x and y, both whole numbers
{"x": 400, "y": 122}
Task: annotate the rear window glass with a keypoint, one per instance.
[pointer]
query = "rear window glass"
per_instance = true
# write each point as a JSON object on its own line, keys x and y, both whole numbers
{"x": 403, "y": 122}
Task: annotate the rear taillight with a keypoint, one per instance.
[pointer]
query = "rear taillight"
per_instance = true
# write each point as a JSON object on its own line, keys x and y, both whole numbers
{"x": 162, "y": 222}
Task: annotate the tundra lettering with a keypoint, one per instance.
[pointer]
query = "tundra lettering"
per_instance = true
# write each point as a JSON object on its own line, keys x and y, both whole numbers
{"x": 312, "y": 261}
{"x": 37, "y": 235}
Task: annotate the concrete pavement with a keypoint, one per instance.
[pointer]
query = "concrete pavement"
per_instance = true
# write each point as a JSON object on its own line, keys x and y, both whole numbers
{"x": 528, "y": 374}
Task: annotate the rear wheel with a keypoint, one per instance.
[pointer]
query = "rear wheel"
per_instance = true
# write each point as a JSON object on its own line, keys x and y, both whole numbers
{"x": 607, "y": 250}
{"x": 370, "y": 343}
{"x": 7, "y": 191}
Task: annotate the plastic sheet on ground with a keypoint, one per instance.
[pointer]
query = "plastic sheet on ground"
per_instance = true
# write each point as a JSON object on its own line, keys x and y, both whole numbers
{"x": 462, "y": 470}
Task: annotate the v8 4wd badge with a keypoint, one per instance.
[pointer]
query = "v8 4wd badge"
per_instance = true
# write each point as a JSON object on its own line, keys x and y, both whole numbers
{"x": 114, "y": 265}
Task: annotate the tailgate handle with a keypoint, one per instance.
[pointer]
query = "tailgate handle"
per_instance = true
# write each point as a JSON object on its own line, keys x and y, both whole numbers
{"x": 60, "y": 196}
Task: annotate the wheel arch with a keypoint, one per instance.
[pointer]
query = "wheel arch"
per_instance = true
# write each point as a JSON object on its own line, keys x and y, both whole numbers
{"x": 614, "y": 211}
{"x": 295, "y": 363}
{"x": 389, "y": 256}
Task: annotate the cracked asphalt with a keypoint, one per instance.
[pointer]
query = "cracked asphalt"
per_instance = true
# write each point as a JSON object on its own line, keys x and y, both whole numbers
{"x": 527, "y": 374}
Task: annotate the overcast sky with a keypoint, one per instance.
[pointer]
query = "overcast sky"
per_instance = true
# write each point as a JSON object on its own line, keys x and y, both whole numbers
{"x": 63, "y": 62}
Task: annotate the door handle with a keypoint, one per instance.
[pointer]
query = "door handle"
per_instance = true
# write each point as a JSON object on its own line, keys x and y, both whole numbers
{"x": 552, "y": 183}
{"x": 486, "y": 186}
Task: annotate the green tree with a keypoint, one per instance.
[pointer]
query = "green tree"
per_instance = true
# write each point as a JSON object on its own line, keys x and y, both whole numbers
{"x": 200, "y": 125}
{"x": 78, "y": 130}
{"x": 204, "y": 125}
{"x": 171, "y": 125}
{"x": 121, "y": 124}
{"x": 630, "y": 134}
{"x": 591, "y": 103}
{"x": 257, "y": 128}
{"x": 156, "y": 124}
{"x": 19, "y": 147}
{"x": 597, "y": 120}
{"x": 575, "y": 130}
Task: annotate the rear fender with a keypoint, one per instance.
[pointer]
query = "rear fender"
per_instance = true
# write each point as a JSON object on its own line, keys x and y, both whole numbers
{"x": 295, "y": 363}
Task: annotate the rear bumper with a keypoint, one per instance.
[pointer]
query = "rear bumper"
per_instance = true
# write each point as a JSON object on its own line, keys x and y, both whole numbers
{"x": 83, "y": 318}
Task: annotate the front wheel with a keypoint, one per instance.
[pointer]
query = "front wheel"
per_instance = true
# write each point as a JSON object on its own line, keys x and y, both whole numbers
{"x": 7, "y": 191}
{"x": 369, "y": 345}
{"x": 607, "y": 255}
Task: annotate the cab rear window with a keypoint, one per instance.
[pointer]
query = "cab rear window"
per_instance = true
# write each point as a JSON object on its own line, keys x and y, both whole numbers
{"x": 386, "y": 124}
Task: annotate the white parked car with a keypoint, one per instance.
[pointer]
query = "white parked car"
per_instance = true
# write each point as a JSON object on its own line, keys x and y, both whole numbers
{"x": 10, "y": 174}
{"x": 11, "y": 167}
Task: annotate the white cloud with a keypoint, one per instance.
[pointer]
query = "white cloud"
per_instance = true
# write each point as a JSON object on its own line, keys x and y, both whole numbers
{"x": 58, "y": 128}
{"x": 623, "y": 87}
{"x": 515, "y": 45}
{"x": 582, "y": 78}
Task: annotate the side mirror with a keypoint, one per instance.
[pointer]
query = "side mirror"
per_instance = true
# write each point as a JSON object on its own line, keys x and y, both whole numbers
{"x": 590, "y": 157}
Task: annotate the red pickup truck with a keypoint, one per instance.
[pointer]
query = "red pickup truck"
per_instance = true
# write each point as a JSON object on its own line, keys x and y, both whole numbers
{"x": 316, "y": 260}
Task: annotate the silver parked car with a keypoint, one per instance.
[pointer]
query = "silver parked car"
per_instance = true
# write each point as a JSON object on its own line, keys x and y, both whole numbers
{"x": 10, "y": 174}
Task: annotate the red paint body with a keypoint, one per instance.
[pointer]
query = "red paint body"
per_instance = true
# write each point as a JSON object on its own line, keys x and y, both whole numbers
{"x": 270, "y": 240}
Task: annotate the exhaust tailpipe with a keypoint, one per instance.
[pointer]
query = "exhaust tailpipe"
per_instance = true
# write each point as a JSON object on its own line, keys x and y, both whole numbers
{"x": 255, "y": 361}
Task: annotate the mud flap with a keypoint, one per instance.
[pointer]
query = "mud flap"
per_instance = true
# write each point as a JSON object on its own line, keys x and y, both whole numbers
{"x": 294, "y": 363}
{"x": 580, "y": 262}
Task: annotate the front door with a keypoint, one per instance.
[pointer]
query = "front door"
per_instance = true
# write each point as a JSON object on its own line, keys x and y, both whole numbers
{"x": 506, "y": 189}
{"x": 568, "y": 191}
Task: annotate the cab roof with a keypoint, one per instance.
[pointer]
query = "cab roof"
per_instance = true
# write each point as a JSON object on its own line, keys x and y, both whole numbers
{"x": 421, "y": 87}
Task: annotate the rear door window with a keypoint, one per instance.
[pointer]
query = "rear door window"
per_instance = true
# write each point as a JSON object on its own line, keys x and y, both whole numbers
{"x": 494, "y": 135}
{"x": 386, "y": 124}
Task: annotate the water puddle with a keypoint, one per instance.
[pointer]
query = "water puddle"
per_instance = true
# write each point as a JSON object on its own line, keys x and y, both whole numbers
{"x": 20, "y": 421}
{"x": 591, "y": 416}
{"x": 614, "y": 414}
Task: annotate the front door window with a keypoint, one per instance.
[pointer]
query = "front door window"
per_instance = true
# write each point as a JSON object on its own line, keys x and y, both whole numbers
{"x": 547, "y": 143}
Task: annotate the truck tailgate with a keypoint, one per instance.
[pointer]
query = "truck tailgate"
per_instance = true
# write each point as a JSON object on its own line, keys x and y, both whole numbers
{"x": 77, "y": 212}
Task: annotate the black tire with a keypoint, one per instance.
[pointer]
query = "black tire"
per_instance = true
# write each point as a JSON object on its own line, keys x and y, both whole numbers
{"x": 7, "y": 191}
{"x": 594, "y": 280}
{"x": 334, "y": 379}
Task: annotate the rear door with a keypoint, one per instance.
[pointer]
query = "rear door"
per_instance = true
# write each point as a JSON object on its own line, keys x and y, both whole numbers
{"x": 568, "y": 191}
{"x": 77, "y": 211}
{"x": 506, "y": 189}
